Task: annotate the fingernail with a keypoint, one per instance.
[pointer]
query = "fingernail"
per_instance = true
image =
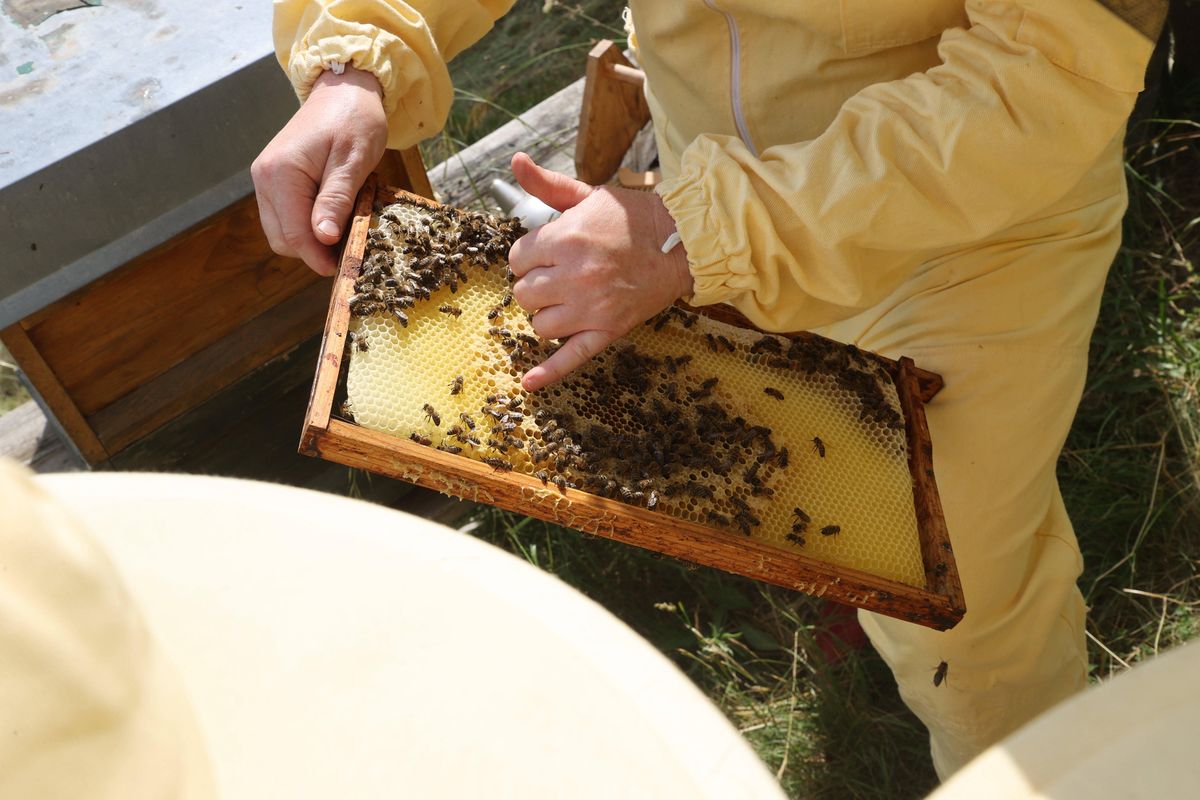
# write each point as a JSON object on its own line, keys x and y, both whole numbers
{"x": 327, "y": 227}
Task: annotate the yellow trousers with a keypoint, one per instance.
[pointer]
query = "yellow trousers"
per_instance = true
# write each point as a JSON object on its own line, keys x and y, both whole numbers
{"x": 1012, "y": 387}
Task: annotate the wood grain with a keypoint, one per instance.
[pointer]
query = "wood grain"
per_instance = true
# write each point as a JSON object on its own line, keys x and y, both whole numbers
{"x": 614, "y": 110}
{"x": 203, "y": 374}
{"x": 337, "y": 321}
{"x": 941, "y": 570}
{"x": 42, "y": 375}
{"x": 466, "y": 478}
{"x": 116, "y": 334}
{"x": 404, "y": 169}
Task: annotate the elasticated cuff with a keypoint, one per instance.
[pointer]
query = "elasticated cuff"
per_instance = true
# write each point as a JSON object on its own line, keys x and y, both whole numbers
{"x": 362, "y": 50}
{"x": 720, "y": 266}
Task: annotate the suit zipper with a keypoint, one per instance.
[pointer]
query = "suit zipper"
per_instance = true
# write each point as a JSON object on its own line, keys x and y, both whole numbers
{"x": 735, "y": 71}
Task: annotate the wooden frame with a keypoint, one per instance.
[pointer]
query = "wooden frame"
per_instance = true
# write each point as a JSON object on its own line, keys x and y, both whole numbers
{"x": 939, "y": 606}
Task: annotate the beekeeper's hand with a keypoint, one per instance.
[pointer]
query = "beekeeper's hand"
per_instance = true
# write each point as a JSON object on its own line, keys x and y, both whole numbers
{"x": 596, "y": 271}
{"x": 308, "y": 176}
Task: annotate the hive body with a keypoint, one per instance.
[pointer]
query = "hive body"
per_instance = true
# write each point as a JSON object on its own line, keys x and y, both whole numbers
{"x": 644, "y": 423}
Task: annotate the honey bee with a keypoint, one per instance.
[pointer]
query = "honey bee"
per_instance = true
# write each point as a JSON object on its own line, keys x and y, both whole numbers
{"x": 456, "y": 385}
{"x": 711, "y": 341}
{"x": 561, "y": 482}
{"x": 495, "y": 312}
{"x": 800, "y": 516}
{"x": 726, "y": 343}
{"x": 772, "y": 392}
{"x": 831, "y": 530}
{"x": 940, "y": 673}
{"x": 419, "y": 439}
{"x": 453, "y": 311}
{"x": 720, "y": 519}
{"x": 498, "y": 464}
{"x": 466, "y": 418}
{"x": 652, "y": 500}
{"x": 515, "y": 402}
{"x": 818, "y": 446}
{"x": 359, "y": 341}
{"x": 401, "y": 316}
{"x": 431, "y": 414}
{"x": 796, "y": 539}
{"x": 542, "y": 476}
{"x": 768, "y": 344}
{"x": 452, "y": 449}
{"x": 507, "y": 301}
{"x": 454, "y": 430}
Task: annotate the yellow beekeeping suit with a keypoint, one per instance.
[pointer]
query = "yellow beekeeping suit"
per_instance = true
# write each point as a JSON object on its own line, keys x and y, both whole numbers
{"x": 925, "y": 178}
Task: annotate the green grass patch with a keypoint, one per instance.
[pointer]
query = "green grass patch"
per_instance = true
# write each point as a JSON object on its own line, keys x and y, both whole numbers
{"x": 12, "y": 393}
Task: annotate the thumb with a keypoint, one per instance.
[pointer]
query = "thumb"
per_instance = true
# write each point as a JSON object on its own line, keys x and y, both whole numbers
{"x": 553, "y": 188}
{"x": 335, "y": 200}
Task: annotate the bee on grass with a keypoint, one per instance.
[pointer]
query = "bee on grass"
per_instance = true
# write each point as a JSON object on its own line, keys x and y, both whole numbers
{"x": 770, "y": 391}
{"x": 431, "y": 414}
{"x": 831, "y": 530}
{"x": 818, "y": 446}
{"x": 939, "y": 675}
{"x": 453, "y": 311}
{"x": 419, "y": 439}
{"x": 456, "y": 385}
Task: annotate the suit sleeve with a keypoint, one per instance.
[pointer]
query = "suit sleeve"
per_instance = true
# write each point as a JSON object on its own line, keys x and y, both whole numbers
{"x": 404, "y": 44}
{"x": 1024, "y": 102}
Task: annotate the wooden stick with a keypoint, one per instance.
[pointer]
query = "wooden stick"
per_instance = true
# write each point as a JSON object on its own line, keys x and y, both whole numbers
{"x": 627, "y": 74}
{"x": 941, "y": 570}
{"x": 333, "y": 344}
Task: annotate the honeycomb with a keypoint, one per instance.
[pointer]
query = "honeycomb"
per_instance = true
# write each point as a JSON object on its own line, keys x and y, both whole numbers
{"x": 799, "y": 443}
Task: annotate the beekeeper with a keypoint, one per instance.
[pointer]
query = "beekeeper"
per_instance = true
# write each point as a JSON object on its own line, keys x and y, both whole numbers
{"x": 921, "y": 178}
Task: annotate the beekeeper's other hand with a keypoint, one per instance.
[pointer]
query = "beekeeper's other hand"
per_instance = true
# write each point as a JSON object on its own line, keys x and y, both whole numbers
{"x": 595, "y": 272}
{"x": 307, "y": 178}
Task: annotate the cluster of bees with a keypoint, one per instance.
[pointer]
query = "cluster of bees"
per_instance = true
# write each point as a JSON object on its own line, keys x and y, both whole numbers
{"x": 453, "y": 243}
{"x": 631, "y": 426}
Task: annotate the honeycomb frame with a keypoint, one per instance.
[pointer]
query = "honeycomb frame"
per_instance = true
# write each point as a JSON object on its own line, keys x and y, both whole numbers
{"x": 938, "y": 604}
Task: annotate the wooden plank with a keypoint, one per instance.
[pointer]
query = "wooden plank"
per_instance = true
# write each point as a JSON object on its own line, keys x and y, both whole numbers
{"x": 27, "y": 437}
{"x": 613, "y": 111}
{"x": 134, "y": 324}
{"x": 941, "y": 570}
{"x": 469, "y": 479}
{"x": 337, "y": 323}
{"x": 48, "y": 385}
{"x": 546, "y": 132}
{"x": 275, "y": 331}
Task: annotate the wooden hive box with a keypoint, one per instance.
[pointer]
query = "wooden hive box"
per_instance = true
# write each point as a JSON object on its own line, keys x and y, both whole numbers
{"x": 116, "y": 360}
{"x": 330, "y": 435}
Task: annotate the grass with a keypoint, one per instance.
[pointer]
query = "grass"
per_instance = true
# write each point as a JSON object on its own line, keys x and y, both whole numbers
{"x": 1129, "y": 472}
{"x": 12, "y": 393}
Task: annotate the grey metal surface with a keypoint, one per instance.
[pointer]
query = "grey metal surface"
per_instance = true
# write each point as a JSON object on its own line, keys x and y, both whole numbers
{"x": 121, "y": 125}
